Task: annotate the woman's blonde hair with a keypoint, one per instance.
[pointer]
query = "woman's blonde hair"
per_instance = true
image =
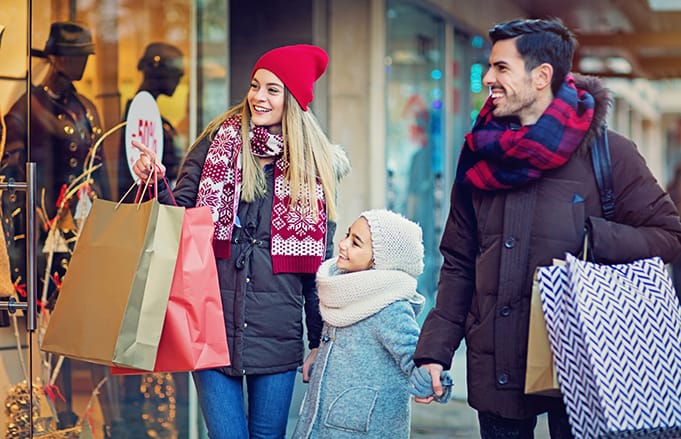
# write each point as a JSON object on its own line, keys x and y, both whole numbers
{"x": 307, "y": 149}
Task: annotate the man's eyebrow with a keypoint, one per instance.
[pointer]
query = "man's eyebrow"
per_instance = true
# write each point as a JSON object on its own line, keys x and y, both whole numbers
{"x": 498, "y": 63}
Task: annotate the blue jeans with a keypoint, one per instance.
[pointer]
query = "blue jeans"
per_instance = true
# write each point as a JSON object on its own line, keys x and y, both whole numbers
{"x": 222, "y": 403}
{"x": 496, "y": 427}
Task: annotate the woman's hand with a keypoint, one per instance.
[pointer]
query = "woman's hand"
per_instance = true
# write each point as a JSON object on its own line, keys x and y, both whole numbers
{"x": 307, "y": 365}
{"x": 144, "y": 165}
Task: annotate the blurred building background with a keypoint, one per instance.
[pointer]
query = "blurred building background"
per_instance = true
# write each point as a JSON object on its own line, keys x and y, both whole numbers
{"x": 403, "y": 86}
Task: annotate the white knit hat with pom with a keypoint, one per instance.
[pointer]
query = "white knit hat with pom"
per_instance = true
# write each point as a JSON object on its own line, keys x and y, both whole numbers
{"x": 397, "y": 242}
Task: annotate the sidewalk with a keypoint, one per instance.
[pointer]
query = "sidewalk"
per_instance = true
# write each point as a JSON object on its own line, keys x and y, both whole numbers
{"x": 454, "y": 420}
{"x": 443, "y": 421}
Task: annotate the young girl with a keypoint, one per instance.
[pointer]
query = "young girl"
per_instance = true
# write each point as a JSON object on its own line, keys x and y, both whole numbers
{"x": 359, "y": 385}
{"x": 268, "y": 172}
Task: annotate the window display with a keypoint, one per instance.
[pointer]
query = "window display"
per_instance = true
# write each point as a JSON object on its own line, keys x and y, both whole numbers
{"x": 415, "y": 131}
{"x": 87, "y": 60}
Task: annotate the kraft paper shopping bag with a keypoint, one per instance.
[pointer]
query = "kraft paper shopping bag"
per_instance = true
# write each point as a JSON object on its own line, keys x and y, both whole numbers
{"x": 6, "y": 285}
{"x": 541, "y": 377}
{"x": 113, "y": 300}
{"x": 193, "y": 334}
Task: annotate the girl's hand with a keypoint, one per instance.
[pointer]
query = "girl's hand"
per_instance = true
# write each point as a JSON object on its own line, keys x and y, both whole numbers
{"x": 434, "y": 370}
{"x": 307, "y": 365}
{"x": 144, "y": 165}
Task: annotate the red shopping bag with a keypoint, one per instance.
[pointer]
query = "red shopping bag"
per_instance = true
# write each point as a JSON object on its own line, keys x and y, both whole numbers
{"x": 193, "y": 335}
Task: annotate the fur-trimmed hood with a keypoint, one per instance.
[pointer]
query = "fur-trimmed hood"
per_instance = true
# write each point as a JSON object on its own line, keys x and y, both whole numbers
{"x": 341, "y": 163}
{"x": 603, "y": 100}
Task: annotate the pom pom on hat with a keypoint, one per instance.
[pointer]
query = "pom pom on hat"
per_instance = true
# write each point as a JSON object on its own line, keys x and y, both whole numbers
{"x": 298, "y": 67}
{"x": 396, "y": 241}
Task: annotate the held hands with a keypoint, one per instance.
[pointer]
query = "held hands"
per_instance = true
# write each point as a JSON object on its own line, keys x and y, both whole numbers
{"x": 144, "y": 165}
{"x": 430, "y": 383}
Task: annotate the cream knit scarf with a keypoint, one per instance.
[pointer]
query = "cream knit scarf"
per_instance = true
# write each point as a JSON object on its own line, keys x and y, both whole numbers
{"x": 347, "y": 298}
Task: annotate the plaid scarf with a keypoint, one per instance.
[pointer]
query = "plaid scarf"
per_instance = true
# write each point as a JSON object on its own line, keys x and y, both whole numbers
{"x": 496, "y": 156}
{"x": 298, "y": 239}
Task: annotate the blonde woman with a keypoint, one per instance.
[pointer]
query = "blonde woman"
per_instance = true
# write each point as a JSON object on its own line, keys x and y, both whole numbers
{"x": 273, "y": 204}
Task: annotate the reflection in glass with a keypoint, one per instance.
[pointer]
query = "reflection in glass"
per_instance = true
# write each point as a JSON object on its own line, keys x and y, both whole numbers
{"x": 415, "y": 62}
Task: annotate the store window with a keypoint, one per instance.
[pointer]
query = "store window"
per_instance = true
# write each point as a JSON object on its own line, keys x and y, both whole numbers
{"x": 88, "y": 59}
{"x": 415, "y": 134}
{"x": 469, "y": 64}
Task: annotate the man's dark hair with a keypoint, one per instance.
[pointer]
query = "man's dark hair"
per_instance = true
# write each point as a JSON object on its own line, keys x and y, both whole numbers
{"x": 540, "y": 41}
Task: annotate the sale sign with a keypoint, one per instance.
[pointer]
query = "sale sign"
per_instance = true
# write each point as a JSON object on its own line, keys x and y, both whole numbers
{"x": 144, "y": 125}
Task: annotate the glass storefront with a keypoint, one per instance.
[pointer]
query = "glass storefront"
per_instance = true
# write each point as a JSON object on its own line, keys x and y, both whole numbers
{"x": 469, "y": 65}
{"x": 431, "y": 102}
{"x": 414, "y": 114}
{"x": 88, "y": 59}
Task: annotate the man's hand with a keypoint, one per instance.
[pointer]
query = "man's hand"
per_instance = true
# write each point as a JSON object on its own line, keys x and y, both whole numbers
{"x": 434, "y": 370}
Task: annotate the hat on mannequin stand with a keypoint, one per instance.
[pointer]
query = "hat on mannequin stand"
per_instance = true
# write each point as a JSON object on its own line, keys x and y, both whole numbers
{"x": 161, "y": 59}
{"x": 69, "y": 39}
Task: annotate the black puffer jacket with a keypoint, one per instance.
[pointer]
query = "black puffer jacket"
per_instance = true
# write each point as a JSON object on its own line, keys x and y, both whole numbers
{"x": 263, "y": 311}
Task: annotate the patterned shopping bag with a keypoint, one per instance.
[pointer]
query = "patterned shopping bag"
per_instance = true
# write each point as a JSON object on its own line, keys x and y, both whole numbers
{"x": 614, "y": 332}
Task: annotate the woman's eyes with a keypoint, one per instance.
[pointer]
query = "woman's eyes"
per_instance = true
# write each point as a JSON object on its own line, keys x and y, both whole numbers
{"x": 270, "y": 90}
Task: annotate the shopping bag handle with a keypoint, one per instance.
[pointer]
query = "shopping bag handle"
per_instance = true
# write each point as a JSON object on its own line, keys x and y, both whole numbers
{"x": 141, "y": 188}
{"x": 585, "y": 247}
{"x": 165, "y": 181}
{"x": 170, "y": 191}
{"x": 147, "y": 188}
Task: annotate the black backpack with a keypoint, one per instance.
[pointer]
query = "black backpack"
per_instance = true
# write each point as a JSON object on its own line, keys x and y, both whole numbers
{"x": 600, "y": 156}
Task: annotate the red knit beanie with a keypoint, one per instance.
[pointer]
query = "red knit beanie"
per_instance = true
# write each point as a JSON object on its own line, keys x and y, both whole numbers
{"x": 298, "y": 67}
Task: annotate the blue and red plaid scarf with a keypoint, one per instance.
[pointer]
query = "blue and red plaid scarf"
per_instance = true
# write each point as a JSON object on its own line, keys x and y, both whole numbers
{"x": 496, "y": 156}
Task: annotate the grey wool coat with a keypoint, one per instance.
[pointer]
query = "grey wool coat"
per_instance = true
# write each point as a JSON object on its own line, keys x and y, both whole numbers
{"x": 359, "y": 382}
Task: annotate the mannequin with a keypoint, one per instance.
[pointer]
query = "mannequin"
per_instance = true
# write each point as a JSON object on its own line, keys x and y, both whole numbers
{"x": 162, "y": 68}
{"x": 64, "y": 127}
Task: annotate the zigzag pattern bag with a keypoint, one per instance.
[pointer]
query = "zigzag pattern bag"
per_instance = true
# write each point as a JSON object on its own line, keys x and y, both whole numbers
{"x": 614, "y": 332}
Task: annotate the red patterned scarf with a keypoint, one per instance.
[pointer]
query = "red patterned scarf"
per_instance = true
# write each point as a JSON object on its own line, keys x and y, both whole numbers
{"x": 298, "y": 238}
{"x": 497, "y": 156}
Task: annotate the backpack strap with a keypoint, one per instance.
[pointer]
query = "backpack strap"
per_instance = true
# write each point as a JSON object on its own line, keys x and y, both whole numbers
{"x": 600, "y": 156}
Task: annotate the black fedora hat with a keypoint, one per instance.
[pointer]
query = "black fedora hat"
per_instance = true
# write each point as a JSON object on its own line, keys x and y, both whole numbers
{"x": 69, "y": 39}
